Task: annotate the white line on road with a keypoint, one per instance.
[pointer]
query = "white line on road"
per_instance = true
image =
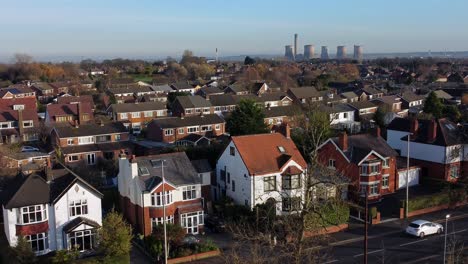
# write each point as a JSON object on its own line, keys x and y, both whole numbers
{"x": 331, "y": 261}
{"x": 459, "y": 231}
{"x": 414, "y": 242}
{"x": 362, "y": 254}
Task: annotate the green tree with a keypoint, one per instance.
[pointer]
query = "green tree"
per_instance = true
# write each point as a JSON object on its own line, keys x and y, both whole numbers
{"x": 247, "y": 119}
{"x": 379, "y": 116}
{"x": 249, "y": 61}
{"x": 65, "y": 256}
{"x": 22, "y": 252}
{"x": 452, "y": 113}
{"x": 433, "y": 105}
{"x": 115, "y": 235}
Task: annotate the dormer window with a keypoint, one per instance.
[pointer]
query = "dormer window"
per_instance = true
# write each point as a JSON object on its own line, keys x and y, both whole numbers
{"x": 281, "y": 149}
{"x": 143, "y": 171}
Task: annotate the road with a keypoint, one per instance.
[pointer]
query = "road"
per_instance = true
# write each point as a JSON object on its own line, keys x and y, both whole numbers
{"x": 397, "y": 247}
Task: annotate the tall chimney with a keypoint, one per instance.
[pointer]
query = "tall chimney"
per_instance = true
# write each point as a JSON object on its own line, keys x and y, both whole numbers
{"x": 414, "y": 127}
{"x": 432, "y": 131}
{"x": 343, "y": 141}
{"x": 80, "y": 114}
{"x": 20, "y": 124}
{"x": 285, "y": 129}
{"x": 295, "y": 46}
{"x": 48, "y": 171}
{"x": 378, "y": 132}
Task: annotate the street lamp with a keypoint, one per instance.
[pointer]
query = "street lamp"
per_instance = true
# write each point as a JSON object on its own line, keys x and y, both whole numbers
{"x": 407, "y": 175}
{"x": 445, "y": 243}
{"x": 164, "y": 211}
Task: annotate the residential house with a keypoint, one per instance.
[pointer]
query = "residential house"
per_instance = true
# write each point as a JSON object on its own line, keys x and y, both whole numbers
{"x": 206, "y": 174}
{"x": 259, "y": 88}
{"x": 350, "y": 97}
{"x": 137, "y": 116}
{"x": 129, "y": 93}
{"x": 444, "y": 96}
{"x": 18, "y": 120}
{"x": 341, "y": 117}
{"x": 364, "y": 111}
{"x": 148, "y": 183}
{"x": 236, "y": 88}
{"x": 278, "y": 115}
{"x": 61, "y": 87}
{"x": 367, "y": 160}
{"x": 304, "y": 95}
{"x": 437, "y": 146}
{"x": 173, "y": 129}
{"x": 262, "y": 168}
{"x": 53, "y": 211}
{"x": 191, "y": 105}
{"x": 25, "y": 161}
{"x": 76, "y": 99}
{"x": 208, "y": 91}
{"x": 44, "y": 91}
{"x": 411, "y": 101}
{"x": 17, "y": 91}
{"x": 273, "y": 99}
{"x": 87, "y": 144}
{"x": 369, "y": 93}
{"x": 69, "y": 114}
{"x": 184, "y": 87}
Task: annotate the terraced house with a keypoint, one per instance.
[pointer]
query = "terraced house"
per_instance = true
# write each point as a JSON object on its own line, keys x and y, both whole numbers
{"x": 143, "y": 192}
{"x": 86, "y": 144}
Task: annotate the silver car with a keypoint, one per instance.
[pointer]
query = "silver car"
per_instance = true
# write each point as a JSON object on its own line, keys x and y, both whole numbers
{"x": 422, "y": 228}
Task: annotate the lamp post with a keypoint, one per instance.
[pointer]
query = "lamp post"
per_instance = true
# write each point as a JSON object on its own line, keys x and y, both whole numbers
{"x": 164, "y": 211}
{"x": 445, "y": 243}
{"x": 407, "y": 175}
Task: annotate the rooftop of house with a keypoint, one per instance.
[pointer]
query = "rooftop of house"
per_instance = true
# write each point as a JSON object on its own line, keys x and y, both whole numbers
{"x": 178, "y": 170}
{"x": 267, "y": 153}
{"x": 211, "y": 90}
{"x": 182, "y": 86}
{"x": 349, "y": 95}
{"x": 369, "y": 90}
{"x": 134, "y": 88}
{"x": 90, "y": 130}
{"x": 359, "y": 146}
{"x": 443, "y": 95}
{"x": 43, "y": 86}
{"x": 274, "y": 96}
{"x": 136, "y": 107}
{"x": 8, "y": 104}
{"x": 76, "y": 99}
{"x": 195, "y": 101}
{"x": 388, "y": 99}
{"x": 237, "y": 88}
{"x": 290, "y": 110}
{"x": 304, "y": 92}
{"x": 36, "y": 189}
{"x": 198, "y": 120}
{"x": 362, "y": 105}
{"x": 409, "y": 96}
{"x": 54, "y": 110}
{"x": 202, "y": 165}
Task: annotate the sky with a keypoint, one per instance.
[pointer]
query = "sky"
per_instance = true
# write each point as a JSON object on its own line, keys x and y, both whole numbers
{"x": 162, "y": 28}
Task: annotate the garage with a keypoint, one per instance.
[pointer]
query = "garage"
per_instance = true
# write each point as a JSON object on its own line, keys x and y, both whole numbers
{"x": 414, "y": 173}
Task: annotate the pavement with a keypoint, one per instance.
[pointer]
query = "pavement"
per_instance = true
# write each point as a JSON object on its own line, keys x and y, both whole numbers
{"x": 387, "y": 242}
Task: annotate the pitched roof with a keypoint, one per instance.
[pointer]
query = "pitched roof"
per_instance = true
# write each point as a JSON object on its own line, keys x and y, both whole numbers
{"x": 290, "y": 110}
{"x": 178, "y": 170}
{"x": 76, "y": 99}
{"x": 262, "y": 155}
{"x": 349, "y": 95}
{"x": 211, "y": 90}
{"x": 70, "y": 226}
{"x": 389, "y": 99}
{"x": 134, "y": 88}
{"x": 275, "y": 96}
{"x": 54, "y": 110}
{"x": 362, "y": 105}
{"x": 29, "y": 104}
{"x": 369, "y": 90}
{"x": 138, "y": 107}
{"x": 90, "y": 130}
{"x": 411, "y": 97}
{"x": 192, "y": 101}
{"x": 443, "y": 95}
{"x": 181, "y": 86}
{"x": 359, "y": 146}
{"x": 304, "y": 92}
{"x": 175, "y": 122}
{"x": 202, "y": 165}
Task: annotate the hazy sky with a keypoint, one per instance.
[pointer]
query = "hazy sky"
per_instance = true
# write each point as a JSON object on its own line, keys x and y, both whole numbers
{"x": 167, "y": 27}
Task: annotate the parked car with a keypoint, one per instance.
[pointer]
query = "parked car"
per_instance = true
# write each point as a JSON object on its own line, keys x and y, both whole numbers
{"x": 29, "y": 149}
{"x": 421, "y": 228}
{"x": 190, "y": 240}
{"x": 215, "y": 224}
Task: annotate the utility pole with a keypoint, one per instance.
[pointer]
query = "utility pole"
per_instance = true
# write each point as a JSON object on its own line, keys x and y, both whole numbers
{"x": 407, "y": 175}
{"x": 366, "y": 229}
{"x": 164, "y": 211}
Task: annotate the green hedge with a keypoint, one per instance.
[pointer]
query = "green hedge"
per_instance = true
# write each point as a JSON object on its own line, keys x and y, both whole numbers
{"x": 426, "y": 201}
{"x": 329, "y": 214}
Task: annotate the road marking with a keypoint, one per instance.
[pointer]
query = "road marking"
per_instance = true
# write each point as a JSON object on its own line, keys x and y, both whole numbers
{"x": 459, "y": 231}
{"x": 331, "y": 261}
{"x": 414, "y": 242}
{"x": 368, "y": 253}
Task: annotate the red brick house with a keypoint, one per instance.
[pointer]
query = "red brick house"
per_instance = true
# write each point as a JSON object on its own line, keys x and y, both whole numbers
{"x": 367, "y": 160}
{"x": 140, "y": 182}
{"x": 76, "y": 99}
{"x": 136, "y": 116}
{"x": 191, "y": 106}
{"x": 86, "y": 144}
{"x": 173, "y": 129}
{"x": 18, "y": 120}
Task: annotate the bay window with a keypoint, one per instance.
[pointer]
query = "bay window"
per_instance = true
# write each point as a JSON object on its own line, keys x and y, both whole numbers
{"x": 159, "y": 221}
{"x": 39, "y": 242}
{"x": 291, "y": 204}
{"x": 374, "y": 188}
{"x": 33, "y": 214}
{"x": 157, "y": 199}
{"x": 82, "y": 240}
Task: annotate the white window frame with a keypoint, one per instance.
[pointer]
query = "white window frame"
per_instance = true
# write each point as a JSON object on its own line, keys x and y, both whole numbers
{"x": 136, "y": 114}
{"x": 69, "y": 141}
{"x": 148, "y": 114}
{"x": 217, "y": 127}
{"x": 159, "y": 221}
{"x": 18, "y": 107}
{"x": 169, "y": 132}
{"x": 373, "y": 189}
{"x": 78, "y": 207}
{"x": 386, "y": 163}
{"x": 385, "y": 181}
{"x": 124, "y": 116}
{"x": 194, "y": 129}
{"x": 180, "y": 131}
{"x": 38, "y": 238}
{"x": 189, "y": 192}
{"x": 158, "y": 198}
{"x": 332, "y": 163}
{"x": 71, "y": 158}
{"x": 33, "y": 210}
{"x": 206, "y": 128}
{"x": 28, "y": 123}
{"x": 85, "y": 140}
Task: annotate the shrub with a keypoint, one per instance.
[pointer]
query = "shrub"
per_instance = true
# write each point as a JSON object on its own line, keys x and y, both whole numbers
{"x": 65, "y": 256}
{"x": 373, "y": 212}
{"x": 427, "y": 201}
{"x": 331, "y": 213}
{"x": 115, "y": 235}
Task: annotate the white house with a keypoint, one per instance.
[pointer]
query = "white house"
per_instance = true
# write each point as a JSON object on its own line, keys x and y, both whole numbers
{"x": 141, "y": 192}
{"x": 262, "y": 168}
{"x": 54, "y": 211}
{"x": 342, "y": 117}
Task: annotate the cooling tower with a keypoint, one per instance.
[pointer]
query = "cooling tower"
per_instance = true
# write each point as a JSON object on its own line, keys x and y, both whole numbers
{"x": 309, "y": 52}
{"x": 341, "y": 52}
{"x": 324, "y": 55}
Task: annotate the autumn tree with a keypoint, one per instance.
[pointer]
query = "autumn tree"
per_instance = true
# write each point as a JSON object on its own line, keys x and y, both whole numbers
{"x": 246, "y": 119}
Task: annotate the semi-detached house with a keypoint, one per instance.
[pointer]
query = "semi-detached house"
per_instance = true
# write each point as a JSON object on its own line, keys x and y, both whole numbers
{"x": 136, "y": 116}
{"x": 140, "y": 184}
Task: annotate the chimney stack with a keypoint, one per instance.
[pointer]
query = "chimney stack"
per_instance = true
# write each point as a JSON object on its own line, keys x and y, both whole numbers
{"x": 285, "y": 129}
{"x": 48, "y": 171}
{"x": 414, "y": 127}
{"x": 378, "y": 132}
{"x": 20, "y": 124}
{"x": 80, "y": 114}
{"x": 432, "y": 131}
{"x": 132, "y": 159}
{"x": 343, "y": 141}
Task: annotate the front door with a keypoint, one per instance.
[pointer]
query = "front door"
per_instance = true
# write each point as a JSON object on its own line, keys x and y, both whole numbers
{"x": 91, "y": 158}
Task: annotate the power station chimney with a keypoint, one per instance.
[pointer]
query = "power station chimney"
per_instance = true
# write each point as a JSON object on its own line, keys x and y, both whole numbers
{"x": 324, "y": 55}
{"x": 358, "y": 53}
{"x": 341, "y": 52}
{"x": 309, "y": 51}
{"x": 295, "y": 46}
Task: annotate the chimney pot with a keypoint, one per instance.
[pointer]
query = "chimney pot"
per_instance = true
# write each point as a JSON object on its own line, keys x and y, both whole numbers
{"x": 343, "y": 141}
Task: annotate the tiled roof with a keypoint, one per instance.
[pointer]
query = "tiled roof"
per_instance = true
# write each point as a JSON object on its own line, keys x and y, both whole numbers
{"x": 411, "y": 97}
{"x": 76, "y": 99}
{"x": 137, "y": 107}
{"x": 202, "y": 165}
{"x": 304, "y": 92}
{"x": 175, "y": 122}
{"x": 362, "y": 105}
{"x": 262, "y": 155}
{"x": 70, "y": 226}
{"x": 90, "y": 130}
{"x": 361, "y": 145}
{"x": 290, "y": 110}
{"x": 192, "y": 101}
{"x": 135, "y": 88}
{"x": 29, "y": 104}
{"x": 54, "y": 110}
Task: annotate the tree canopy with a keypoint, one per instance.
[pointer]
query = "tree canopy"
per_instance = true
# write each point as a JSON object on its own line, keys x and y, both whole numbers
{"x": 115, "y": 235}
{"x": 433, "y": 105}
{"x": 247, "y": 119}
